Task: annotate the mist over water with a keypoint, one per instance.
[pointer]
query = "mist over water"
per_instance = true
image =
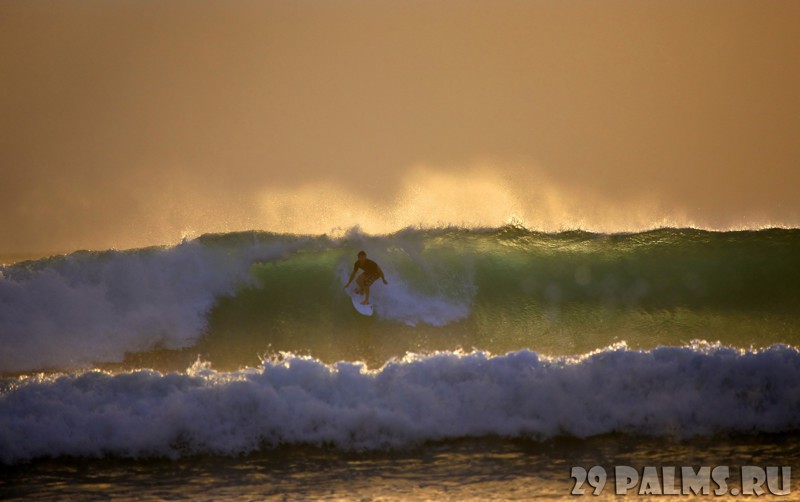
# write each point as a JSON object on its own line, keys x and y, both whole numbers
{"x": 129, "y": 125}
{"x": 483, "y": 195}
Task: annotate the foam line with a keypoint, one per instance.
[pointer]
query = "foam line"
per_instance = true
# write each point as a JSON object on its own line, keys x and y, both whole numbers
{"x": 682, "y": 391}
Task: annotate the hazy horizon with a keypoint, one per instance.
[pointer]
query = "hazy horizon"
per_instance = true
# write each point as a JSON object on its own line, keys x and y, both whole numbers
{"x": 126, "y": 124}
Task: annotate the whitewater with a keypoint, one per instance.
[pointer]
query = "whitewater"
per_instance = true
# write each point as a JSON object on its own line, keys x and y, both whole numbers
{"x": 680, "y": 392}
{"x": 231, "y": 344}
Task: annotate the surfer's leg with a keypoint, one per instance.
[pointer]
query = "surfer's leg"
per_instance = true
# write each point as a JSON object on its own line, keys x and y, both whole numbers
{"x": 360, "y": 282}
{"x": 366, "y": 282}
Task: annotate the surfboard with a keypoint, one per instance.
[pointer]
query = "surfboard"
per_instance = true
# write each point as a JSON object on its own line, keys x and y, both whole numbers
{"x": 362, "y": 309}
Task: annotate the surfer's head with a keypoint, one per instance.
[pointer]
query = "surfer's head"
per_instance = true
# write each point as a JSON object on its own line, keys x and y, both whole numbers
{"x": 362, "y": 256}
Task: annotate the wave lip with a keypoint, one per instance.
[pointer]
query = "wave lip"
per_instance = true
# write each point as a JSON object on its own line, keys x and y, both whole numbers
{"x": 698, "y": 390}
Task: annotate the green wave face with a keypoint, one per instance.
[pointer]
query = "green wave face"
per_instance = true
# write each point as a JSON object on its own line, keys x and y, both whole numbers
{"x": 507, "y": 289}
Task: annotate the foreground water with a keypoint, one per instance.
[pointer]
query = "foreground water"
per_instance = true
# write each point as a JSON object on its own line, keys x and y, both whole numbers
{"x": 233, "y": 366}
{"x": 477, "y": 469}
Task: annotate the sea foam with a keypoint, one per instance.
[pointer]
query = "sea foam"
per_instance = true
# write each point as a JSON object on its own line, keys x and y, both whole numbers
{"x": 84, "y": 308}
{"x": 674, "y": 391}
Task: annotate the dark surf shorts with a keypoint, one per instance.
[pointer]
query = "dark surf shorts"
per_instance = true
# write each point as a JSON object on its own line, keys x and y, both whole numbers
{"x": 370, "y": 278}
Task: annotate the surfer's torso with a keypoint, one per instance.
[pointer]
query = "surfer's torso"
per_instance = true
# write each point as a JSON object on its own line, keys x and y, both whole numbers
{"x": 369, "y": 266}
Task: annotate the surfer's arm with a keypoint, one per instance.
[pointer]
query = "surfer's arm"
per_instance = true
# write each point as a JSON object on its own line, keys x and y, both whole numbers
{"x": 355, "y": 269}
{"x": 380, "y": 271}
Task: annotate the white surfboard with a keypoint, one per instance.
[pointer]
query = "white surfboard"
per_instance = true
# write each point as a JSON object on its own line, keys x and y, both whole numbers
{"x": 362, "y": 309}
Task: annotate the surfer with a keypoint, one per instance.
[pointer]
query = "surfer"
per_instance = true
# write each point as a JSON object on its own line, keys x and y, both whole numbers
{"x": 371, "y": 274}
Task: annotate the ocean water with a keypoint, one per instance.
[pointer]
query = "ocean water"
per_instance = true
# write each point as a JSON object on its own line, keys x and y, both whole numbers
{"x": 233, "y": 365}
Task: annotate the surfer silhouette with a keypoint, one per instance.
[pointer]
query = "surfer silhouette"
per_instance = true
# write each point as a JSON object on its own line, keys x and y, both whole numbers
{"x": 371, "y": 274}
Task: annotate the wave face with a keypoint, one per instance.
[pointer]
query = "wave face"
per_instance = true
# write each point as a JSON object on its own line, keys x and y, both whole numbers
{"x": 233, "y": 296}
{"x": 669, "y": 391}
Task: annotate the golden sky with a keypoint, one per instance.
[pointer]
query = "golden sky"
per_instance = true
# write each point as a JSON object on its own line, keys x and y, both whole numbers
{"x": 126, "y": 123}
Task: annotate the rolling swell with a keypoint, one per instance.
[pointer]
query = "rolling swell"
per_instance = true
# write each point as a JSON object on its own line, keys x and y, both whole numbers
{"x": 233, "y": 296}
